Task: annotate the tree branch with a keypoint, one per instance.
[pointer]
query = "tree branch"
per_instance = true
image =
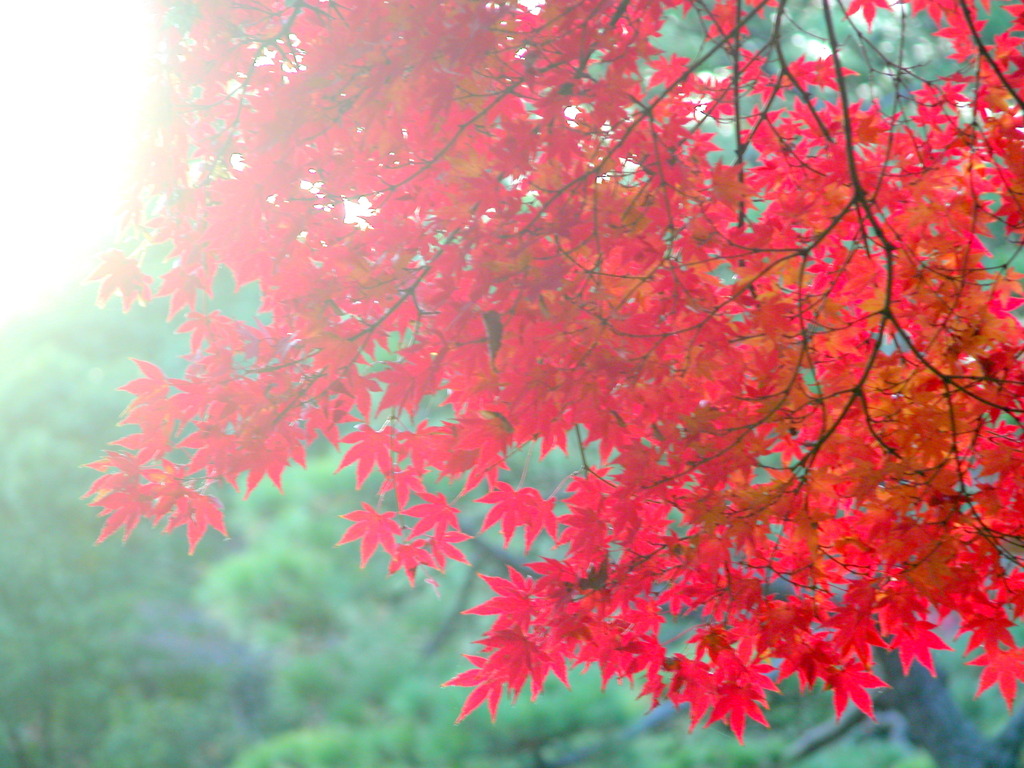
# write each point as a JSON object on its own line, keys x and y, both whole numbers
{"x": 656, "y": 717}
{"x": 937, "y": 724}
{"x": 820, "y": 736}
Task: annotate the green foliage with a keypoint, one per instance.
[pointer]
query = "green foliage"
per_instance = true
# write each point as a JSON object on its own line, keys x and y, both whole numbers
{"x": 305, "y": 748}
{"x": 99, "y": 648}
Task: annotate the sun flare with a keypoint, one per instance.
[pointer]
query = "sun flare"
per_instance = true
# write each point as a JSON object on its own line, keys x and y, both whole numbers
{"x": 76, "y": 96}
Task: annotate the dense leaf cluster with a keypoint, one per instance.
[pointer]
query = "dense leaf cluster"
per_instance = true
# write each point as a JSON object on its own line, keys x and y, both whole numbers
{"x": 745, "y": 285}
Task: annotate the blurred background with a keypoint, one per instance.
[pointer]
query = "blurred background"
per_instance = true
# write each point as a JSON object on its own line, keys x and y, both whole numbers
{"x": 270, "y": 649}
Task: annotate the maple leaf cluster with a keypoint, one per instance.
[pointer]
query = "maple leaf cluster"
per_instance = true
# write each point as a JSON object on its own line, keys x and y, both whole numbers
{"x": 747, "y": 288}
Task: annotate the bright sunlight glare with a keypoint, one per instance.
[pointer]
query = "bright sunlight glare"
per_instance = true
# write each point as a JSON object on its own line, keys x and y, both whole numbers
{"x": 74, "y": 82}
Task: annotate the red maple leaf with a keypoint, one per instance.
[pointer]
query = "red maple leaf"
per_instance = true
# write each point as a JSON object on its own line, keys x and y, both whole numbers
{"x": 368, "y": 449}
{"x": 1002, "y": 667}
{"x": 372, "y": 529}
{"x": 522, "y": 508}
{"x": 435, "y": 514}
{"x": 121, "y": 275}
{"x": 852, "y": 685}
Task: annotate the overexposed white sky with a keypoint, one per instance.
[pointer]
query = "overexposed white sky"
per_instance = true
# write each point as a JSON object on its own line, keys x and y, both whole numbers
{"x": 72, "y": 82}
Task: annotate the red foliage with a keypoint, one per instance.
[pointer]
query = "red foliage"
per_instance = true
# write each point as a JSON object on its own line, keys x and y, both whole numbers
{"x": 747, "y": 289}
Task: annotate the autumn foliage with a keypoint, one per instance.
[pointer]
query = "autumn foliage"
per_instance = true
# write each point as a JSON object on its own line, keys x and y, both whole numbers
{"x": 753, "y": 290}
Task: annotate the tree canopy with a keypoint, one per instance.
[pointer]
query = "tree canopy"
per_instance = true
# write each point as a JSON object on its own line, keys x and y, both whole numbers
{"x": 749, "y": 264}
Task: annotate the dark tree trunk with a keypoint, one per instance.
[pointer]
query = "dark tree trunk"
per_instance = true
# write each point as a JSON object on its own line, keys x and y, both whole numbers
{"x": 937, "y": 724}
